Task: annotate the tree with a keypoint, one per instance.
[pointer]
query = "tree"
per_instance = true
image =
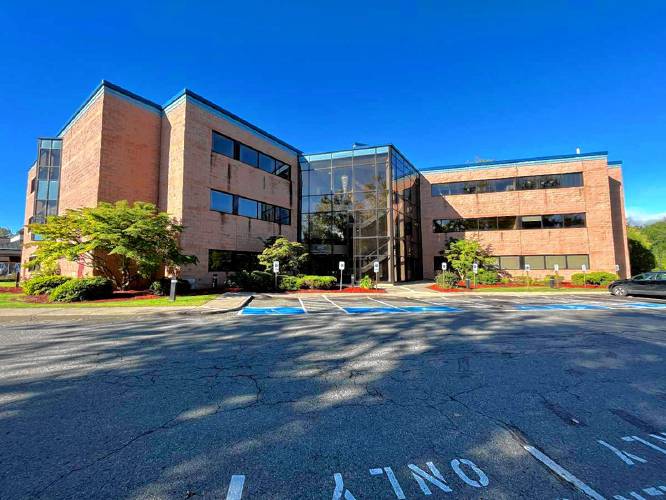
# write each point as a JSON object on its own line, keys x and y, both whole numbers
{"x": 462, "y": 254}
{"x": 290, "y": 254}
{"x": 641, "y": 257}
{"x": 5, "y": 232}
{"x": 656, "y": 233}
{"x": 119, "y": 241}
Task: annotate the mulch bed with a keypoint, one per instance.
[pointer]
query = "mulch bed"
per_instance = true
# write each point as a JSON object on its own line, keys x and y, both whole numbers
{"x": 13, "y": 289}
{"x": 438, "y": 288}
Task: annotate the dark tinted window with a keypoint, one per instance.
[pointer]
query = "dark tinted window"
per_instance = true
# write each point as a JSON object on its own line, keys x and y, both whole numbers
{"x": 524, "y": 183}
{"x": 223, "y": 145}
{"x": 553, "y": 221}
{"x": 248, "y": 155}
{"x": 572, "y": 180}
{"x": 527, "y": 183}
{"x": 549, "y": 181}
{"x": 530, "y": 222}
{"x": 221, "y": 202}
{"x": 229, "y": 261}
{"x": 501, "y": 185}
{"x": 488, "y": 224}
{"x": 266, "y": 163}
{"x": 505, "y": 223}
{"x": 574, "y": 220}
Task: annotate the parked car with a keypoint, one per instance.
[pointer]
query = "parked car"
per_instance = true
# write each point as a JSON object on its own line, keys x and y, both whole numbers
{"x": 652, "y": 283}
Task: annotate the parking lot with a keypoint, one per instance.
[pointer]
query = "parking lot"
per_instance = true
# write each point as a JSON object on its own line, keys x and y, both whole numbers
{"x": 491, "y": 401}
{"x": 339, "y": 304}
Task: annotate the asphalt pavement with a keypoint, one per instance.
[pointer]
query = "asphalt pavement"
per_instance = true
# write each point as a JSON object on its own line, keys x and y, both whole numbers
{"x": 494, "y": 402}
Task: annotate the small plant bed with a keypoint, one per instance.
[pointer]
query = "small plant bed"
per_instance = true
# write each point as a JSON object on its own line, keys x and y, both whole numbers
{"x": 350, "y": 289}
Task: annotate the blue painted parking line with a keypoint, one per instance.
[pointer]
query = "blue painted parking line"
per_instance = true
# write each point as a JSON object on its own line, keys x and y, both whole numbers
{"x": 371, "y": 310}
{"x": 641, "y": 305}
{"x": 431, "y": 309}
{"x": 275, "y": 311}
{"x": 560, "y": 307}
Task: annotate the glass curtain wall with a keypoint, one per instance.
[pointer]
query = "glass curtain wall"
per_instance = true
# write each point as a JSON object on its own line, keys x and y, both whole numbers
{"x": 407, "y": 261}
{"x": 49, "y": 156}
{"x": 346, "y": 211}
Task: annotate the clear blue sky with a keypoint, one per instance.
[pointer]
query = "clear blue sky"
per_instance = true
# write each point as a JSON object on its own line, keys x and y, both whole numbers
{"x": 447, "y": 82}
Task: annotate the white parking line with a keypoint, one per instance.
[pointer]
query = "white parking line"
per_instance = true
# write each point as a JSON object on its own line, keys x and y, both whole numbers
{"x": 563, "y": 473}
{"x": 235, "y": 491}
{"x": 387, "y": 304}
{"x": 339, "y": 307}
{"x": 303, "y": 305}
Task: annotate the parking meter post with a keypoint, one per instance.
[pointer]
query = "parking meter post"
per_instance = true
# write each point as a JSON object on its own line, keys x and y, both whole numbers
{"x": 172, "y": 289}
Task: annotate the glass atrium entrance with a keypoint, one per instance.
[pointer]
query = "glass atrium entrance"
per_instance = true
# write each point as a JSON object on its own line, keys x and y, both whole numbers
{"x": 361, "y": 206}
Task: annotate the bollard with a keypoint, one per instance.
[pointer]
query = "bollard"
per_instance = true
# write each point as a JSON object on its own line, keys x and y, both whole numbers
{"x": 214, "y": 281}
{"x": 172, "y": 289}
{"x": 18, "y": 276}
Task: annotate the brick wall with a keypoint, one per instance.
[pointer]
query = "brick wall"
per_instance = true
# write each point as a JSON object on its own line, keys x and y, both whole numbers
{"x": 594, "y": 198}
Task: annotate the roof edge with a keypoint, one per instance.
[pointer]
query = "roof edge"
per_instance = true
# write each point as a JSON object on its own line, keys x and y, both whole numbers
{"x": 499, "y": 163}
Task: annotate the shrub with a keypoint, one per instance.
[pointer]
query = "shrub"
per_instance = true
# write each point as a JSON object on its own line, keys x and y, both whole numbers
{"x": 318, "y": 282}
{"x": 593, "y": 278}
{"x": 156, "y": 288}
{"x": 487, "y": 277}
{"x": 447, "y": 279}
{"x": 256, "y": 281}
{"x": 75, "y": 290}
{"x": 39, "y": 285}
{"x": 525, "y": 280}
{"x": 366, "y": 282}
{"x": 558, "y": 279}
{"x": 182, "y": 286}
{"x": 289, "y": 283}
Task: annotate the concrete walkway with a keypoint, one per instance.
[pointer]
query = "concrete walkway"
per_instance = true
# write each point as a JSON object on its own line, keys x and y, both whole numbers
{"x": 227, "y": 302}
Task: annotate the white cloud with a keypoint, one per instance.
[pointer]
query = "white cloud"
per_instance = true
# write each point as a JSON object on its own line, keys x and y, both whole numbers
{"x": 638, "y": 216}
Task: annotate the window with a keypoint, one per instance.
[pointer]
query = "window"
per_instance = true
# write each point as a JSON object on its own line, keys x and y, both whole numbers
{"x": 221, "y": 202}
{"x": 574, "y": 220}
{"x": 248, "y": 155}
{"x": 534, "y": 261}
{"x": 560, "y": 260}
{"x": 553, "y": 221}
{"x": 237, "y": 205}
{"x": 223, "y": 145}
{"x": 488, "y": 224}
{"x": 239, "y": 151}
{"x": 506, "y": 223}
{"x": 530, "y": 222}
{"x": 550, "y": 181}
{"x": 247, "y": 208}
{"x": 32, "y": 185}
{"x": 578, "y": 261}
{"x": 266, "y": 163}
{"x": 231, "y": 261}
{"x": 509, "y": 262}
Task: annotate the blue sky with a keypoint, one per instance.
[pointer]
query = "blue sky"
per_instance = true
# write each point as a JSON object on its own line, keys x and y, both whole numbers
{"x": 447, "y": 82}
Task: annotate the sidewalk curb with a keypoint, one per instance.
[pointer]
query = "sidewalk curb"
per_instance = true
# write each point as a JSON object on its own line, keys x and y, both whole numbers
{"x": 193, "y": 312}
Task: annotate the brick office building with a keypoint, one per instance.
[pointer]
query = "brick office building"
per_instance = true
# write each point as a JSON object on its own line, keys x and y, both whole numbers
{"x": 233, "y": 185}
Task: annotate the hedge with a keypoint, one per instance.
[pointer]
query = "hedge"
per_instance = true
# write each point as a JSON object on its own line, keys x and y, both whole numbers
{"x": 40, "y": 285}
{"x": 257, "y": 281}
{"x": 447, "y": 279}
{"x": 593, "y": 278}
{"x": 307, "y": 282}
{"x": 76, "y": 290}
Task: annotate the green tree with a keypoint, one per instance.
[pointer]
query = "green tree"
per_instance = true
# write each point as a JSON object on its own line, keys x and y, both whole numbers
{"x": 119, "y": 241}
{"x": 656, "y": 233}
{"x": 641, "y": 257}
{"x": 5, "y": 232}
{"x": 290, "y": 254}
{"x": 462, "y": 254}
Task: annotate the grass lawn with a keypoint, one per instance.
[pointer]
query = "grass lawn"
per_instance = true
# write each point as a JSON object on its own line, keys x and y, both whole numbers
{"x": 7, "y": 284}
{"x": 538, "y": 289}
{"x": 17, "y": 300}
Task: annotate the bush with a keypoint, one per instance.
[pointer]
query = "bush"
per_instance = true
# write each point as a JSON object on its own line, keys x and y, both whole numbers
{"x": 318, "y": 282}
{"x": 289, "y": 283}
{"x": 39, "y": 285}
{"x": 156, "y": 288}
{"x": 487, "y": 277}
{"x": 558, "y": 279}
{"x": 366, "y": 282}
{"x": 74, "y": 290}
{"x": 593, "y": 278}
{"x": 447, "y": 279}
{"x": 525, "y": 280}
{"x": 182, "y": 287}
{"x": 256, "y": 281}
